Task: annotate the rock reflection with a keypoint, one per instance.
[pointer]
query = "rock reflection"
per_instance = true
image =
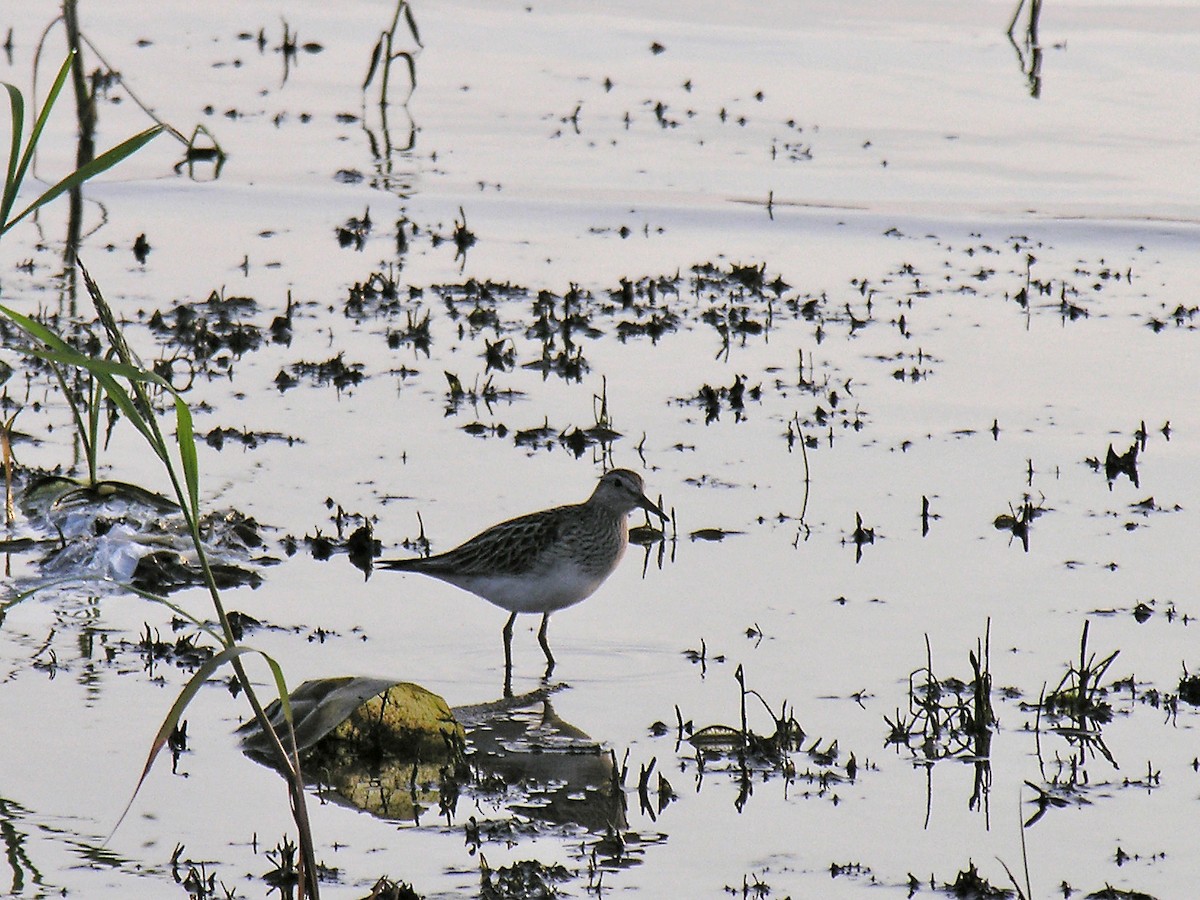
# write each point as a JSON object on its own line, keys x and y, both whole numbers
{"x": 396, "y": 751}
{"x": 544, "y": 767}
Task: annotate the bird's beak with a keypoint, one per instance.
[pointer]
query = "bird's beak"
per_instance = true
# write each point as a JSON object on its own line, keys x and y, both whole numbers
{"x": 647, "y": 504}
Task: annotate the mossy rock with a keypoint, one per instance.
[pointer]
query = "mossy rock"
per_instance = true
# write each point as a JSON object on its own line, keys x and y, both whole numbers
{"x": 367, "y": 717}
{"x": 382, "y": 746}
{"x": 404, "y": 722}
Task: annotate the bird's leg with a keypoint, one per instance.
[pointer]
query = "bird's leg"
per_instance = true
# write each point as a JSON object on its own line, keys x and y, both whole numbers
{"x": 546, "y": 645}
{"x": 508, "y": 628}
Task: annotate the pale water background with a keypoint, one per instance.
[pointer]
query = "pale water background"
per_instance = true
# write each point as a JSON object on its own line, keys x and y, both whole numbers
{"x": 896, "y": 163}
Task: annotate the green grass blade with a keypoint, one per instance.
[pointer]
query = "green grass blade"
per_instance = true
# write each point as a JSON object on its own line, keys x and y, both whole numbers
{"x": 22, "y": 596}
{"x": 133, "y": 413}
{"x": 55, "y": 89}
{"x": 178, "y": 610}
{"x": 19, "y": 174}
{"x": 36, "y": 329}
{"x": 185, "y": 435}
{"x": 288, "y": 743}
{"x": 61, "y": 351}
{"x": 101, "y": 163}
{"x": 175, "y": 713}
{"x": 16, "y": 107}
{"x": 91, "y": 437}
{"x": 285, "y": 701}
{"x": 99, "y": 366}
{"x": 104, "y": 371}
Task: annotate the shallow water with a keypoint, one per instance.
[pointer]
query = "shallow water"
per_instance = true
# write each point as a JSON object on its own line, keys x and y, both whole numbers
{"x": 1088, "y": 190}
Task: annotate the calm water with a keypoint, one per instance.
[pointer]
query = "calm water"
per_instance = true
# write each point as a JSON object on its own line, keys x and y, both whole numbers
{"x": 966, "y": 232}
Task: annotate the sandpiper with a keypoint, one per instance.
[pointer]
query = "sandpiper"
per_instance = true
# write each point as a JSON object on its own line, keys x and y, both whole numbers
{"x": 544, "y": 561}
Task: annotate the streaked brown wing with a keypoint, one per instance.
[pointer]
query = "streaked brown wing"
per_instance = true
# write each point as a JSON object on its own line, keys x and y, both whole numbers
{"x": 510, "y": 548}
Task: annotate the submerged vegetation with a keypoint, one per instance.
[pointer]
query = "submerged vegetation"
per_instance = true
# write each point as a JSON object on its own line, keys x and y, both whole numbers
{"x": 112, "y": 374}
{"x": 947, "y": 717}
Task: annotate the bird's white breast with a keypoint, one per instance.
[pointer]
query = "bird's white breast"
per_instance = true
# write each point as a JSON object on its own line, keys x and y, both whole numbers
{"x": 563, "y": 586}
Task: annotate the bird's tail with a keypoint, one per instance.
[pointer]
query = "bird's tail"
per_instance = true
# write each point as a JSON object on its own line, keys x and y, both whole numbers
{"x": 411, "y": 564}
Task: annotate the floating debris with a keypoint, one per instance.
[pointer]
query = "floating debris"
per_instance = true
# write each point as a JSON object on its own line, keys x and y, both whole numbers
{"x": 333, "y": 371}
{"x": 120, "y": 534}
